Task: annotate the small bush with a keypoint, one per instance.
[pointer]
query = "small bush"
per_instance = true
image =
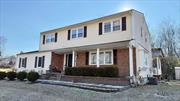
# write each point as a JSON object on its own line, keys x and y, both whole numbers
{"x": 91, "y": 71}
{"x": 11, "y": 75}
{"x": 32, "y": 76}
{"x": 152, "y": 81}
{"x": 21, "y": 76}
{"x": 2, "y": 75}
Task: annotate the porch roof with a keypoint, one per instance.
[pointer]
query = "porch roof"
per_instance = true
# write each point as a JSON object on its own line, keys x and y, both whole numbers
{"x": 111, "y": 45}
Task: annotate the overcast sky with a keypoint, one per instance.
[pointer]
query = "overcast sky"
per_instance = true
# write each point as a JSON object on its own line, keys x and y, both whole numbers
{"x": 21, "y": 21}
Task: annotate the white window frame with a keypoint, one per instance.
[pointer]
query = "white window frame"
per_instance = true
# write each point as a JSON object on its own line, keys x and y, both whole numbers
{"x": 104, "y": 51}
{"x": 49, "y": 37}
{"x": 77, "y": 33}
{"x": 111, "y": 25}
{"x": 119, "y": 25}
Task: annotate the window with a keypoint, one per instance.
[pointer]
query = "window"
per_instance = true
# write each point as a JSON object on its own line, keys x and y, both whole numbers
{"x": 77, "y": 33}
{"x": 107, "y": 27}
{"x": 50, "y": 38}
{"x": 80, "y": 32}
{"x": 73, "y": 34}
{"x": 105, "y": 57}
{"x": 40, "y": 62}
{"x": 24, "y": 60}
{"x": 101, "y": 58}
{"x": 108, "y": 57}
{"x": 116, "y": 25}
{"x": 93, "y": 58}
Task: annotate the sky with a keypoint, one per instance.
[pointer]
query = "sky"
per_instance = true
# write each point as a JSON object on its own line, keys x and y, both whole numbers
{"x": 21, "y": 21}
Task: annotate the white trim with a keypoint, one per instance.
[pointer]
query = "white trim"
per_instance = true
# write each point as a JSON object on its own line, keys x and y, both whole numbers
{"x": 97, "y": 57}
{"x": 73, "y": 58}
{"x": 64, "y": 63}
{"x": 104, "y": 51}
{"x": 131, "y": 61}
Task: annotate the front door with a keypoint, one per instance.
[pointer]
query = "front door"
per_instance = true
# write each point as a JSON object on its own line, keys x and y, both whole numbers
{"x": 68, "y": 60}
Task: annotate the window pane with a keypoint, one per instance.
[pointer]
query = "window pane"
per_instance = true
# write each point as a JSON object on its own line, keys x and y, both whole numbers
{"x": 101, "y": 58}
{"x": 93, "y": 58}
{"x": 108, "y": 59}
{"x": 107, "y": 27}
{"x": 48, "y": 38}
{"x": 80, "y": 32}
{"x": 116, "y": 25}
{"x": 52, "y": 38}
{"x": 73, "y": 33}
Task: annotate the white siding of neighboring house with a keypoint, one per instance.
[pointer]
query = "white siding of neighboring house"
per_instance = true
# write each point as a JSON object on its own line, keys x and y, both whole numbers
{"x": 31, "y": 62}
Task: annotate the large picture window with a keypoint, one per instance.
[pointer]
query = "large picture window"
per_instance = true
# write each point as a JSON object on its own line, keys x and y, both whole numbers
{"x": 105, "y": 57}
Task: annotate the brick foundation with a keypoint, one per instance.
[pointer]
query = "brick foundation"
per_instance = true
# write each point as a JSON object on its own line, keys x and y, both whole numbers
{"x": 97, "y": 80}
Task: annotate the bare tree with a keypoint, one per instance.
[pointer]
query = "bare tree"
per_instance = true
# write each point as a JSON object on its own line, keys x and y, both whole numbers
{"x": 168, "y": 39}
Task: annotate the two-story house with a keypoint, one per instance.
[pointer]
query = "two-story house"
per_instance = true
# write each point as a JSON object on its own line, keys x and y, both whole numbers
{"x": 120, "y": 39}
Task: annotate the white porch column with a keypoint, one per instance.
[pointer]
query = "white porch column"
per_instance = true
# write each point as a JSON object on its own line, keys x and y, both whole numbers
{"x": 73, "y": 58}
{"x": 97, "y": 60}
{"x": 131, "y": 61}
{"x": 64, "y": 62}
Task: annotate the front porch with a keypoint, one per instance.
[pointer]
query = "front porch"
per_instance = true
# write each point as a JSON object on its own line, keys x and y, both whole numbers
{"x": 119, "y": 54}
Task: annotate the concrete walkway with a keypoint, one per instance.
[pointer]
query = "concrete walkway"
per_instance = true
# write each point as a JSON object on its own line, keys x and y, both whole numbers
{"x": 95, "y": 87}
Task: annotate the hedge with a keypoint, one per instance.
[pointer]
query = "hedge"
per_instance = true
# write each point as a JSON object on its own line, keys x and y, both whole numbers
{"x": 2, "y": 75}
{"x": 21, "y": 75}
{"x": 32, "y": 76}
{"x": 11, "y": 75}
{"x": 91, "y": 71}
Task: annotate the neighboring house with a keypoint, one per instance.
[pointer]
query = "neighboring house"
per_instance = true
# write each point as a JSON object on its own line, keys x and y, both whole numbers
{"x": 7, "y": 62}
{"x": 157, "y": 54}
{"x": 121, "y": 39}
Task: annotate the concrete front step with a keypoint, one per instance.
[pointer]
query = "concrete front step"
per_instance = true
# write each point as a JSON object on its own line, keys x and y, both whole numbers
{"x": 95, "y": 87}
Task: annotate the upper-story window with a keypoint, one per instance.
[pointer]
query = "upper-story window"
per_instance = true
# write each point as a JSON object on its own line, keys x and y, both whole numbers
{"x": 77, "y": 33}
{"x": 73, "y": 34}
{"x": 107, "y": 27}
{"x": 116, "y": 25}
{"x": 49, "y": 38}
{"x": 111, "y": 26}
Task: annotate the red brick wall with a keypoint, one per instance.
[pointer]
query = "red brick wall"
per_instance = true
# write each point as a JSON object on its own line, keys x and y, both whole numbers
{"x": 57, "y": 61}
{"x": 81, "y": 59}
{"x": 123, "y": 62}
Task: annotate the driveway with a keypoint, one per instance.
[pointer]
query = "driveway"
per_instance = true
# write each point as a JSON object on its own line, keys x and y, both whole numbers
{"x": 22, "y": 91}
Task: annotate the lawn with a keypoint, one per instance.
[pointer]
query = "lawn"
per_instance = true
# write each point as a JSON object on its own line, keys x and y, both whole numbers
{"x": 22, "y": 91}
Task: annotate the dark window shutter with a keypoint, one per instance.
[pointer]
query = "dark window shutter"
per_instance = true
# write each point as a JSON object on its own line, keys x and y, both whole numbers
{"x": 100, "y": 28}
{"x": 56, "y": 36}
{"x": 43, "y": 59}
{"x": 87, "y": 58}
{"x": 19, "y": 62}
{"x": 115, "y": 56}
{"x": 85, "y": 31}
{"x": 44, "y": 39}
{"x": 123, "y": 23}
{"x": 69, "y": 34}
{"x": 35, "y": 63}
{"x": 25, "y": 62}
